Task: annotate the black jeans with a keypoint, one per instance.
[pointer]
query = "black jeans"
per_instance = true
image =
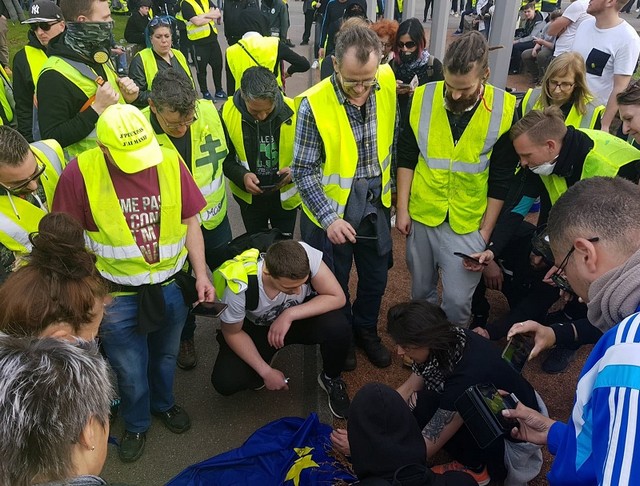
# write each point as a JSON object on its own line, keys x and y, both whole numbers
{"x": 330, "y": 330}
{"x": 308, "y": 22}
{"x": 427, "y": 4}
{"x": 264, "y": 210}
{"x": 372, "y": 270}
{"x": 208, "y": 55}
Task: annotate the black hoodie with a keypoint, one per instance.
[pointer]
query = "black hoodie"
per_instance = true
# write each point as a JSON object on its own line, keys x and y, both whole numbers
{"x": 251, "y": 132}
{"x": 24, "y": 88}
{"x": 60, "y": 101}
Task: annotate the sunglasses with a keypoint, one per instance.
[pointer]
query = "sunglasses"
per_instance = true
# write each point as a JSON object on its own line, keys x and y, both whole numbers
{"x": 559, "y": 278}
{"x": 17, "y": 189}
{"x": 44, "y": 26}
{"x": 408, "y": 45}
{"x": 159, "y": 21}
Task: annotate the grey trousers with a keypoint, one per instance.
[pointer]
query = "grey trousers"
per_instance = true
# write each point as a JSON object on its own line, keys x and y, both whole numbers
{"x": 430, "y": 249}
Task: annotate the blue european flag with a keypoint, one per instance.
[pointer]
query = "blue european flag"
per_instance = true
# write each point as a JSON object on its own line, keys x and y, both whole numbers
{"x": 289, "y": 451}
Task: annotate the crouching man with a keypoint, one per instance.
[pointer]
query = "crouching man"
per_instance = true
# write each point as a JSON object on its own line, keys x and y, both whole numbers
{"x": 286, "y": 296}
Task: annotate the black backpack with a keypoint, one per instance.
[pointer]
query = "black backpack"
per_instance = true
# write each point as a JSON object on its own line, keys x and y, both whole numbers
{"x": 261, "y": 241}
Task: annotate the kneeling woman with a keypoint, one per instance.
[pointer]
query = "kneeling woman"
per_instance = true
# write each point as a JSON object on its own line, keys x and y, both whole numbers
{"x": 448, "y": 360}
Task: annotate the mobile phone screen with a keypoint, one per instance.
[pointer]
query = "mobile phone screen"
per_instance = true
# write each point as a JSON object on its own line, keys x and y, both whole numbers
{"x": 209, "y": 309}
{"x": 517, "y": 351}
{"x": 496, "y": 404}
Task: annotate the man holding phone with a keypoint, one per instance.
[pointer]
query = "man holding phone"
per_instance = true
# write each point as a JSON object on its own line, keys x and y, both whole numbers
{"x": 260, "y": 125}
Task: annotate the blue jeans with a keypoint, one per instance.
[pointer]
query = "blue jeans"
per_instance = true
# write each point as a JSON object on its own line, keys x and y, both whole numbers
{"x": 145, "y": 364}
{"x": 372, "y": 270}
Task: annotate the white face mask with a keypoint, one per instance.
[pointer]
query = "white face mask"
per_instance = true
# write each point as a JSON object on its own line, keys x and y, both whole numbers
{"x": 544, "y": 169}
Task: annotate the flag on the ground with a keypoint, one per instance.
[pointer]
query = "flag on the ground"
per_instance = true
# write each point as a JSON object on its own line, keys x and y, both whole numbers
{"x": 289, "y": 451}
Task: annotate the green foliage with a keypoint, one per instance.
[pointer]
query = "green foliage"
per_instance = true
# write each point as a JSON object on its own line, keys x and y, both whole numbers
{"x": 17, "y": 36}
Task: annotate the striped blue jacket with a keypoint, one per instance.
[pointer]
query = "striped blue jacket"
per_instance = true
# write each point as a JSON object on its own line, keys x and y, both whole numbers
{"x": 600, "y": 445}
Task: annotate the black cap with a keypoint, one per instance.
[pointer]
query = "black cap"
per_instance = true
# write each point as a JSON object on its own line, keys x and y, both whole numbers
{"x": 44, "y": 11}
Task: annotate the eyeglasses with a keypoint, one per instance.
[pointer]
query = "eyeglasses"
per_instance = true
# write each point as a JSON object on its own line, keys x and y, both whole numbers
{"x": 44, "y": 26}
{"x": 559, "y": 278}
{"x": 175, "y": 126}
{"x": 160, "y": 20}
{"x": 366, "y": 83}
{"x": 408, "y": 45}
{"x": 17, "y": 189}
{"x": 564, "y": 86}
{"x": 386, "y": 44}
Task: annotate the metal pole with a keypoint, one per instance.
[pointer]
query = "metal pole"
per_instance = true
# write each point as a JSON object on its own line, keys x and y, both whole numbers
{"x": 439, "y": 24}
{"x": 503, "y": 26}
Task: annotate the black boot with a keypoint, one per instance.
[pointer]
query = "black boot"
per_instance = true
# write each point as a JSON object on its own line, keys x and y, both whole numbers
{"x": 369, "y": 341}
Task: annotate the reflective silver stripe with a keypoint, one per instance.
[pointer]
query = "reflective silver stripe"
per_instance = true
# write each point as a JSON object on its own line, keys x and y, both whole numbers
{"x": 144, "y": 278}
{"x": 445, "y": 164}
{"x": 212, "y": 187}
{"x": 531, "y": 102}
{"x": 386, "y": 188}
{"x": 588, "y": 116}
{"x": 492, "y": 134}
{"x": 441, "y": 164}
{"x": 197, "y": 29}
{"x": 335, "y": 179}
{"x": 425, "y": 119}
{"x": 289, "y": 193}
{"x": 167, "y": 252}
{"x": 15, "y": 231}
{"x": 387, "y": 161}
{"x": 50, "y": 154}
{"x": 113, "y": 252}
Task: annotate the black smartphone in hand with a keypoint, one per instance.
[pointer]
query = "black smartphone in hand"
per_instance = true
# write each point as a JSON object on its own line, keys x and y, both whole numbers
{"x": 467, "y": 257}
{"x": 209, "y": 309}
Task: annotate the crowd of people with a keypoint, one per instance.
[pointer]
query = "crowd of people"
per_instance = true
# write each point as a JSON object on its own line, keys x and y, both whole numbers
{"x": 114, "y": 225}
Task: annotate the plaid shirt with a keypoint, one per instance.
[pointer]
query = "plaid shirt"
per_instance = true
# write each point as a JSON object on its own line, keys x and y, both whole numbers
{"x": 308, "y": 151}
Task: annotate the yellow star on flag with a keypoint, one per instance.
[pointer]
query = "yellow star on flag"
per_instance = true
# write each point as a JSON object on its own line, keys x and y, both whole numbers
{"x": 304, "y": 461}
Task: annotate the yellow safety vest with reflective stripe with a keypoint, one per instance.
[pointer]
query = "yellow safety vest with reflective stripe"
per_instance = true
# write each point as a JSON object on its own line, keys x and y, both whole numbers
{"x": 235, "y": 273}
{"x": 150, "y": 64}
{"x": 19, "y": 218}
{"x": 197, "y": 32}
{"x": 232, "y": 117}
{"x": 263, "y": 49}
{"x": 50, "y": 153}
{"x": 452, "y": 180}
{"x": 605, "y": 159}
{"x": 35, "y": 59}
{"x": 6, "y": 96}
{"x": 341, "y": 152}
{"x": 208, "y": 151}
{"x": 89, "y": 88}
{"x": 119, "y": 257}
{"x": 531, "y": 101}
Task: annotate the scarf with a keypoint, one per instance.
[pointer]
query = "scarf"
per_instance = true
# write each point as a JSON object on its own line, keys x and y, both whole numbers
{"x": 615, "y": 295}
{"x": 85, "y": 38}
{"x": 435, "y": 373}
{"x": 405, "y": 71}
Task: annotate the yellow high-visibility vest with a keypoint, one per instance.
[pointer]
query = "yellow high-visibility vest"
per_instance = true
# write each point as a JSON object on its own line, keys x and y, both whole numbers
{"x": 264, "y": 51}
{"x": 150, "y": 64}
{"x": 197, "y": 32}
{"x": 531, "y": 101}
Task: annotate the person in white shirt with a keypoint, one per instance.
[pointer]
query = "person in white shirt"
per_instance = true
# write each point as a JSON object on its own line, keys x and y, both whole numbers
{"x": 610, "y": 47}
{"x": 564, "y": 29}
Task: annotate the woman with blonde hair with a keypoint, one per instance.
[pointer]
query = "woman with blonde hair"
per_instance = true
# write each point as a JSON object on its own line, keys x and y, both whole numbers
{"x": 565, "y": 85}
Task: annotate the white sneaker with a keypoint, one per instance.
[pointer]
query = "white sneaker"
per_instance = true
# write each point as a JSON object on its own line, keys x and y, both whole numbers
{"x": 637, "y": 10}
{"x": 456, "y": 14}
{"x": 452, "y": 12}
{"x": 315, "y": 64}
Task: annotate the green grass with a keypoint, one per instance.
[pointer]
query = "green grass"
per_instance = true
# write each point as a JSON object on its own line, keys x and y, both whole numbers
{"x": 17, "y": 36}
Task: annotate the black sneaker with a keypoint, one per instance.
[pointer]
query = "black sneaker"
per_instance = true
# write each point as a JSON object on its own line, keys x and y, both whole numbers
{"x": 558, "y": 360}
{"x": 175, "y": 419}
{"x": 304, "y": 43}
{"x": 337, "y": 393}
{"x": 132, "y": 446}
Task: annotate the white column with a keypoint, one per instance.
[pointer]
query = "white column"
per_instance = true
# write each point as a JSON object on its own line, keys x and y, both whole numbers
{"x": 503, "y": 26}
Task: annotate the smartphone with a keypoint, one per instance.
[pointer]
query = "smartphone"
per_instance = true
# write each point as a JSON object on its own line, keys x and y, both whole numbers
{"x": 404, "y": 85}
{"x": 496, "y": 403}
{"x": 209, "y": 309}
{"x": 273, "y": 187}
{"x": 467, "y": 257}
{"x": 517, "y": 351}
